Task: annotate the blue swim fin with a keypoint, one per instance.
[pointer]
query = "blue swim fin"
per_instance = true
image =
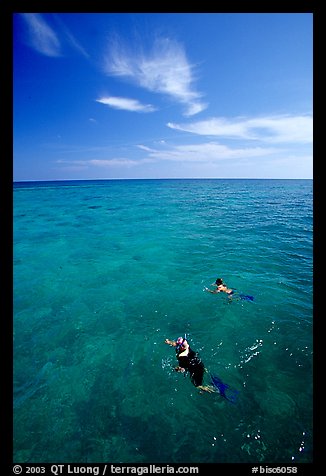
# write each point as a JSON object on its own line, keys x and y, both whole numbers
{"x": 246, "y": 297}
{"x": 224, "y": 389}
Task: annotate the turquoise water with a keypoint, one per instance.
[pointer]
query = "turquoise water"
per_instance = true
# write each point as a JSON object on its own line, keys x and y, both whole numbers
{"x": 104, "y": 271}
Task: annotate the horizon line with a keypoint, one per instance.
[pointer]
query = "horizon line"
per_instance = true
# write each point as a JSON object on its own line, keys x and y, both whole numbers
{"x": 163, "y": 178}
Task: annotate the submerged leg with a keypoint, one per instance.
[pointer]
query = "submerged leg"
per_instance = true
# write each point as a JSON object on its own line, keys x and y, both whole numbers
{"x": 207, "y": 388}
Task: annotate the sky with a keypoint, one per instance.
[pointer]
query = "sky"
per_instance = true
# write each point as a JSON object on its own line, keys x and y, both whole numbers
{"x": 162, "y": 95}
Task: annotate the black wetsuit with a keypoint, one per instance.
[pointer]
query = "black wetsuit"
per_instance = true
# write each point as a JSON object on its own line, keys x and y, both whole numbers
{"x": 193, "y": 365}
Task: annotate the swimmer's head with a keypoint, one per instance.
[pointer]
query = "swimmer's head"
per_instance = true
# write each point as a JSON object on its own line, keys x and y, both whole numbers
{"x": 182, "y": 343}
{"x": 219, "y": 281}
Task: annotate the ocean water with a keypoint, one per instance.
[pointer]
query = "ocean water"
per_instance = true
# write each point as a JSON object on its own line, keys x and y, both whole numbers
{"x": 104, "y": 271}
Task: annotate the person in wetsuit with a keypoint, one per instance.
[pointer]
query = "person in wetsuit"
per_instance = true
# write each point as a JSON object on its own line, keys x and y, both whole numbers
{"x": 189, "y": 361}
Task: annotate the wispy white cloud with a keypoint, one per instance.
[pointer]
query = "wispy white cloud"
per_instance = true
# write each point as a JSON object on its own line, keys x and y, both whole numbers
{"x": 71, "y": 40}
{"x": 119, "y": 162}
{"x": 49, "y": 41}
{"x": 40, "y": 36}
{"x": 164, "y": 70}
{"x": 272, "y": 129}
{"x": 145, "y": 148}
{"x": 205, "y": 152}
{"x": 126, "y": 104}
{"x": 114, "y": 162}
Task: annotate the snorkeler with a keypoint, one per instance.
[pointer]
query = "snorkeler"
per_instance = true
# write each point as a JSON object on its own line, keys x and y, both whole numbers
{"x": 189, "y": 361}
{"x": 221, "y": 287}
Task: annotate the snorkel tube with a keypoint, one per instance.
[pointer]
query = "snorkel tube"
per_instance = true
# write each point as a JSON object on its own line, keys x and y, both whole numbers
{"x": 181, "y": 340}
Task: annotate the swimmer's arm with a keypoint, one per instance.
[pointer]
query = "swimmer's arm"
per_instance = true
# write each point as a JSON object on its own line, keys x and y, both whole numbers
{"x": 179, "y": 369}
{"x": 216, "y": 290}
{"x": 170, "y": 342}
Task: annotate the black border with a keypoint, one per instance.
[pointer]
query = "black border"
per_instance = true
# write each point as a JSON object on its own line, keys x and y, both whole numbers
{"x": 7, "y": 9}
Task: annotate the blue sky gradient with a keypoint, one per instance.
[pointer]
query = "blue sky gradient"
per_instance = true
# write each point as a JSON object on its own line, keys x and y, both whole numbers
{"x": 109, "y": 95}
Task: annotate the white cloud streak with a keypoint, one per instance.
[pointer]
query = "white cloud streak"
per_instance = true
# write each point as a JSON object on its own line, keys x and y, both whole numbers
{"x": 48, "y": 41}
{"x": 164, "y": 70}
{"x": 72, "y": 41}
{"x": 41, "y": 37}
{"x": 272, "y": 129}
{"x": 205, "y": 152}
{"x": 114, "y": 162}
{"x": 126, "y": 104}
